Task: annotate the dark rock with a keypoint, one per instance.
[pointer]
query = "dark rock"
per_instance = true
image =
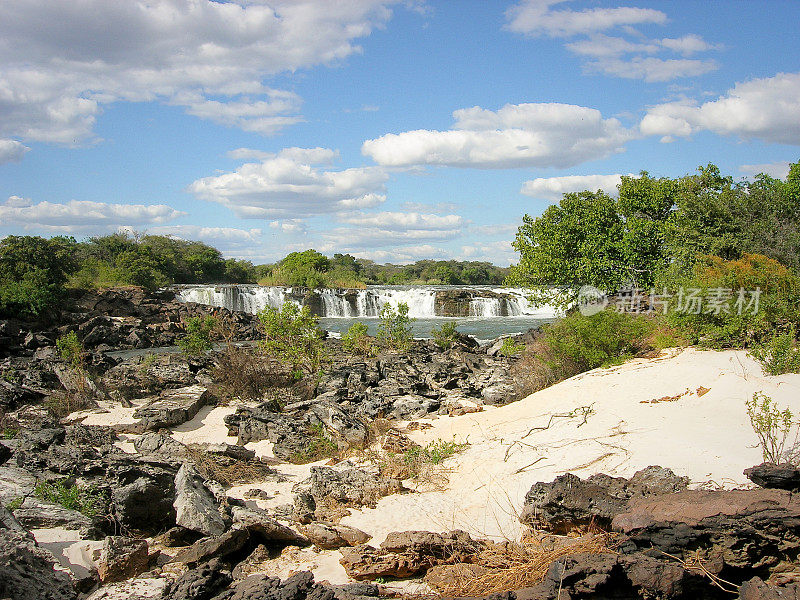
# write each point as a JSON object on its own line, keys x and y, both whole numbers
{"x": 214, "y": 547}
{"x": 5, "y": 454}
{"x": 203, "y": 583}
{"x": 173, "y": 407}
{"x": 143, "y": 491}
{"x": 569, "y": 502}
{"x": 178, "y": 536}
{"x": 300, "y": 586}
{"x": 27, "y": 573}
{"x": 195, "y": 505}
{"x": 756, "y": 589}
{"x": 785, "y": 476}
{"x": 122, "y": 558}
{"x": 265, "y": 528}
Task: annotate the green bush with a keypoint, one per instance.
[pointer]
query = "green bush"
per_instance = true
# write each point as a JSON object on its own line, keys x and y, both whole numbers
{"x": 70, "y": 349}
{"x": 197, "y": 339}
{"x": 91, "y": 501}
{"x": 395, "y": 327}
{"x": 318, "y": 447}
{"x": 511, "y": 348}
{"x": 772, "y": 426}
{"x": 445, "y": 336}
{"x": 358, "y": 341}
{"x": 779, "y": 355}
{"x": 292, "y": 336}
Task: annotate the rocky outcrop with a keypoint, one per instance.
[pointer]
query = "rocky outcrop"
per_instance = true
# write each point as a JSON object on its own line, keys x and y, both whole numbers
{"x": 172, "y": 407}
{"x": 785, "y": 476}
{"x": 569, "y": 502}
{"x": 195, "y": 505}
{"x": 26, "y": 571}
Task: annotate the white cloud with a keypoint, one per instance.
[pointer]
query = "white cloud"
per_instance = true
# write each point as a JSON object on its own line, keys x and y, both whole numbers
{"x": 536, "y": 17}
{"x": 61, "y": 61}
{"x": 652, "y": 69}
{"x": 606, "y": 46}
{"x": 553, "y": 188}
{"x": 223, "y": 235}
{"x": 765, "y": 109}
{"x": 517, "y": 135}
{"x": 405, "y": 255}
{"x": 438, "y": 208}
{"x": 403, "y": 220}
{"x": 779, "y": 170}
{"x": 82, "y": 215}
{"x": 688, "y": 44}
{"x": 499, "y": 253}
{"x": 291, "y": 184}
{"x": 12, "y": 151}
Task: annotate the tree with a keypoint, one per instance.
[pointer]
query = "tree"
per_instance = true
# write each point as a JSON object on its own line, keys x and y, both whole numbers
{"x": 291, "y": 336}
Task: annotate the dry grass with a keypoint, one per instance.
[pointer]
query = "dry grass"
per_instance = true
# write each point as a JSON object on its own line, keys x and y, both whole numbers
{"x": 512, "y": 566}
{"x": 65, "y": 402}
{"x": 245, "y": 374}
{"x": 226, "y": 470}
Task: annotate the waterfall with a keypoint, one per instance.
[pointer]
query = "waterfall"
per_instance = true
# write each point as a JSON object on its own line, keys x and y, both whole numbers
{"x": 477, "y": 301}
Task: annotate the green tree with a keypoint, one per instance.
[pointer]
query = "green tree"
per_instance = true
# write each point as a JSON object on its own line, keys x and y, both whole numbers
{"x": 395, "y": 327}
{"x": 197, "y": 339}
{"x": 292, "y": 336}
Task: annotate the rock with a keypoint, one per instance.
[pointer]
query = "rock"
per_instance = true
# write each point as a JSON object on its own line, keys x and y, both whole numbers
{"x": 299, "y": 586}
{"x": 367, "y": 563}
{"x": 426, "y": 543}
{"x": 203, "y": 583}
{"x": 160, "y": 444}
{"x": 27, "y": 573}
{"x": 262, "y": 526}
{"x": 214, "y": 547}
{"x": 351, "y": 487}
{"x": 289, "y": 435}
{"x": 442, "y": 577}
{"x": 569, "y": 502}
{"x": 231, "y": 451}
{"x": 195, "y": 505}
{"x": 37, "y": 514}
{"x": 136, "y": 589}
{"x": 785, "y": 476}
{"x": 143, "y": 492}
{"x": 756, "y": 589}
{"x": 330, "y": 537}
{"x": 351, "y": 431}
{"x": 9, "y": 522}
{"x": 738, "y": 531}
{"x": 15, "y": 483}
{"x": 172, "y": 407}
{"x": 122, "y": 558}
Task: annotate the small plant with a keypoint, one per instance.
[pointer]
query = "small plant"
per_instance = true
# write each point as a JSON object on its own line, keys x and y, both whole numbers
{"x": 446, "y": 335}
{"x": 318, "y": 447}
{"x": 91, "y": 501}
{"x": 511, "y": 348}
{"x": 11, "y": 375}
{"x": 292, "y": 336}
{"x": 146, "y": 362}
{"x": 9, "y": 428}
{"x": 779, "y": 355}
{"x": 70, "y": 349}
{"x": 15, "y": 503}
{"x": 358, "y": 341}
{"x": 772, "y": 426}
{"x": 421, "y": 463}
{"x": 197, "y": 339}
{"x": 395, "y": 327}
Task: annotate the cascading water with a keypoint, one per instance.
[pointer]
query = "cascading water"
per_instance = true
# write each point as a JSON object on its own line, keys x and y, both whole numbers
{"x": 480, "y": 302}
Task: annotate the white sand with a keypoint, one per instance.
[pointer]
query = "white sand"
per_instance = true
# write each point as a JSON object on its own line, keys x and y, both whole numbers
{"x": 708, "y": 438}
{"x": 207, "y": 426}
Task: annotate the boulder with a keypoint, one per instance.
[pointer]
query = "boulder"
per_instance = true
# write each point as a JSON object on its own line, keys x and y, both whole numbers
{"x": 122, "y": 558}
{"x": 331, "y": 536}
{"x": 143, "y": 491}
{"x": 214, "y": 547}
{"x": 569, "y": 502}
{"x": 261, "y": 525}
{"x": 785, "y": 476}
{"x": 202, "y": 583}
{"x": 37, "y": 514}
{"x": 195, "y": 505}
{"x": 351, "y": 487}
{"x": 172, "y": 407}
{"x": 367, "y": 563}
{"x": 27, "y": 573}
{"x": 757, "y": 589}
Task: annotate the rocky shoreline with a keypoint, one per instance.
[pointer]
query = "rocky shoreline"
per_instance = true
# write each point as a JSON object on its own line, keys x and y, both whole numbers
{"x": 174, "y": 480}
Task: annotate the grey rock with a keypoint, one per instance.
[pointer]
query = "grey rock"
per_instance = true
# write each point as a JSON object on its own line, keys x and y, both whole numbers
{"x": 351, "y": 487}
{"x": 331, "y": 536}
{"x": 214, "y": 547}
{"x": 264, "y": 527}
{"x": 785, "y": 476}
{"x": 27, "y": 573}
{"x": 122, "y": 558}
{"x": 172, "y": 407}
{"x": 203, "y": 583}
{"x": 195, "y": 506}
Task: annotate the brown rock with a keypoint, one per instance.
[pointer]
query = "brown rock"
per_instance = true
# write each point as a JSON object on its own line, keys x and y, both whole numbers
{"x": 122, "y": 558}
{"x": 330, "y": 536}
{"x": 368, "y": 563}
{"x": 756, "y": 589}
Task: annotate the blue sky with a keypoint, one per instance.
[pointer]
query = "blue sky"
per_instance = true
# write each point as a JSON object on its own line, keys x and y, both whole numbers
{"x": 391, "y": 130}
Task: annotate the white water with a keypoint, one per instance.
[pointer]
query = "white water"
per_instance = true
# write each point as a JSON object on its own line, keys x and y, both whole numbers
{"x": 349, "y": 304}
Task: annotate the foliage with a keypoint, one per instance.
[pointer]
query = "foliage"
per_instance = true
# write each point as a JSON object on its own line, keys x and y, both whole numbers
{"x": 33, "y": 271}
{"x": 446, "y": 335}
{"x": 736, "y": 322}
{"x": 15, "y": 503}
{"x": 435, "y": 452}
{"x": 70, "y": 349}
{"x": 394, "y": 329}
{"x": 292, "y": 336}
{"x": 780, "y": 354}
{"x": 243, "y": 374}
{"x": 89, "y": 500}
{"x": 772, "y": 426}
{"x": 197, "y": 339}
{"x": 511, "y": 348}
{"x": 421, "y": 463}
{"x": 357, "y": 341}
{"x": 319, "y": 446}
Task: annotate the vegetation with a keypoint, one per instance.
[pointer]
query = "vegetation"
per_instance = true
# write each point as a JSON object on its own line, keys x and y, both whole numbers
{"x": 446, "y": 335}
{"x": 320, "y": 446}
{"x": 292, "y": 336}
{"x": 394, "y": 329}
{"x": 91, "y": 501}
{"x": 197, "y": 339}
{"x": 780, "y": 354}
{"x": 358, "y": 341}
{"x": 70, "y": 349}
{"x": 772, "y": 426}
{"x": 511, "y": 348}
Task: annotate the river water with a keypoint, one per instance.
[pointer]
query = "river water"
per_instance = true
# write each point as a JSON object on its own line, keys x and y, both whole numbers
{"x": 484, "y": 312}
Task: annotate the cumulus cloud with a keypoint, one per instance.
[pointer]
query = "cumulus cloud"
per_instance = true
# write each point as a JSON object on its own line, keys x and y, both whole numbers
{"x": 517, "y": 135}
{"x": 218, "y": 235}
{"x": 651, "y": 68}
{"x": 499, "y": 253}
{"x": 764, "y": 109}
{"x": 291, "y": 184}
{"x": 62, "y": 61}
{"x": 553, "y": 188}
{"x": 82, "y": 215}
{"x": 12, "y": 151}
{"x": 537, "y": 17}
{"x": 688, "y": 44}
{"x": 403, "y": 220}
{"x": 778, "y": 170}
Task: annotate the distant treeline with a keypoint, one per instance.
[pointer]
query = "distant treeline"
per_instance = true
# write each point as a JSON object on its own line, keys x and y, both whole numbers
{"x": 34, "y": 271}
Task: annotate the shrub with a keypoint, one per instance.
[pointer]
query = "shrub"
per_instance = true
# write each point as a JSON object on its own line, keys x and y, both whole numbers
{"x": 70, "y": 349}
{"x": 511, "y": 348}
{"x": 357, "y": 341}
{"x": 421, "y": 463}
{"x": 91, "y": 501}
{"x": 446, "y": 335}
{"x": 291, "y": 336}
{"x": 319, "y": 446}
{"x": 65, "y": 402}
{"x": 779, "y": 355}
{"x": 197, "y": 339}
{"x": 244, "y": 374}
{"x": 772, "y": 426}
{"x": 395, "y": 327}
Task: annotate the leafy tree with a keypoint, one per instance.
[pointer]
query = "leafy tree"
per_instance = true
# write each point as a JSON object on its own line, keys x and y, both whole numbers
{"x": 358, "y": 341}
{"x": 197, "y": 340}
{"x": 446, "y": 335}
{"x": 395, "y": 327}
{"x": 292, "y": 336}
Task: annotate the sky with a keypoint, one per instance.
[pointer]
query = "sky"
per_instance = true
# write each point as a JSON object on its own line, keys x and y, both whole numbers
{"x": 395, "y": 131}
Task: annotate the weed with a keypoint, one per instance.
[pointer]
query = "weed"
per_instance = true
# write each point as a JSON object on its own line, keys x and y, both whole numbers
{"x": 772, "y": 426}
{"x": 446, "y": 335}
{"x": 146, "y": 363}
{"x": 319, "y": 446}
{"x": 15, "y": 504}
{"x": 292, "y": 336}
{"x": 227, "y": 470}
{"x": 70, "y": 349}
{"x": 245, "y": 374}
{"x": 65, "y": 402}
{"x": 90, "y": 500}
{"x": 779, "y": 355}
{"x": 422, "y": 464}
{"x": 11, "y": 375}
